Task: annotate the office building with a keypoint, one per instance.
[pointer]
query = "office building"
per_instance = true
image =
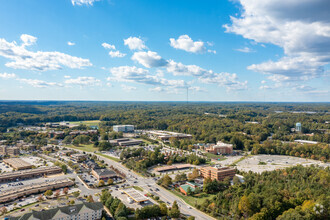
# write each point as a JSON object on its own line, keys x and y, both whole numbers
{"x": 220, "y": 148}
{"x": 104, "y": 174}
{"x": 7, "y": 150}
{"x": 123, "y": 128}
{"x": 217, "y": 172}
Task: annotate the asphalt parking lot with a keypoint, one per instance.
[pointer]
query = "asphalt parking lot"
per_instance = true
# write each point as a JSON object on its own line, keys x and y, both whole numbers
{"x": 274, "y": 162}
{"x": 5, "y": 168}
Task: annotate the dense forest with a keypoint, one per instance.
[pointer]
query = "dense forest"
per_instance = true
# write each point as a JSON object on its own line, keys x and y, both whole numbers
{"x": 246, "y": 125}
{"x": 293, "y": 193}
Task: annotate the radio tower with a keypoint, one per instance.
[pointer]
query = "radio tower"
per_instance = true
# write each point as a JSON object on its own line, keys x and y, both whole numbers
{"x": 187, "y": 94}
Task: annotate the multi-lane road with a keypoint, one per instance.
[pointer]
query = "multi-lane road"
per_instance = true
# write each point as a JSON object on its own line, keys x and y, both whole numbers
{"x": 148, "y": 183}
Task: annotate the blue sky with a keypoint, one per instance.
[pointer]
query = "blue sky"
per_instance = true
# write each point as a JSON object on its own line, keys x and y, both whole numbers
{"x": 155, "y": 50}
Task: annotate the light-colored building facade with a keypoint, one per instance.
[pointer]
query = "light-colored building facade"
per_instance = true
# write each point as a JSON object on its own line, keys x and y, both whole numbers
{"x": 83, "y": 211}
{"x": 16, "y": 193}
{"x": 29, "y": 174}
{"x": 7, "y": 150}
{"x": 123, "y": 128}
{"x": 17, "y": 163}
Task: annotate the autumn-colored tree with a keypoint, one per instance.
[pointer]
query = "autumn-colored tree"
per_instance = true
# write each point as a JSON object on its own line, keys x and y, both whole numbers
{"x": 244, "y": 206}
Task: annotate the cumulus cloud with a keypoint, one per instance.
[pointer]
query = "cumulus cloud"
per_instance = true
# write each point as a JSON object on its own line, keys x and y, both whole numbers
{"x": 83, "y": 2}
{"x": 71, "y": 43}
{"x": 7, "y": 75}
{"x": 135, "y": 43}
{"x": 184, "y": 42}
{"x": 116, "y": 54}
{"x": 83, "y": 81}
{"x": 28, "y": 40}
{"x": 109, "y": 46}
{"x": 300, "y": 27}
{"x": 227, "y": 80}
{"x": 142, "y": 76}
{"x": 40, "y": 83}
{"x": 152, "y": 59}
{"x": 149, "y": 59}
{"x": 22, "y": 58}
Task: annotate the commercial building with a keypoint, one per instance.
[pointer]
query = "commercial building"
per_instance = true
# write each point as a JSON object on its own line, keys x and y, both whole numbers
{"x": 173, "y": 167}
{"x": 130, "y": 143}
{"x": 17, "y": 163}
{"x": 83, "y": 211}
{"x": 16, "y": 193}
{"x": 135, "y": 195}
{"x": 7, "y": 150}
{"x": 79, "y": 157}
{"x": 123, "y": 128}
{"x": 104, "y": 174}
{"x": 125, "y": 142}
{"x": 166, "y": 135}
{"x": 189, "y": 185}
{"x": 29, "y": 174}
{"x": 220, "y": 148}
{"x": 217, "y": 172}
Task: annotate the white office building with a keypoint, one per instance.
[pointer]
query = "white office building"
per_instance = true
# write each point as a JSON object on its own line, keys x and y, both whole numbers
{"x": 123, "y": 128}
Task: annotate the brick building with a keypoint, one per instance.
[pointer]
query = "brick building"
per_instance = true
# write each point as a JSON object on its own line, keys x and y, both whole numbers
{"x": 217, "y": 172}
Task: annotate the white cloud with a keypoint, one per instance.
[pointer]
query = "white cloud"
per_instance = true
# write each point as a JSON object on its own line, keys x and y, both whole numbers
{"x": 109, "y": 46}
{"x": 149, "y": 59}
{"x": 139, "y": 75}
{"x": 83, "y": 81}
{"x": 83, "y": 2}
{"x": 127, "y": 88}
{"x": 245, "y": 50}
{"x": 300, "y": 27}
{"x": 71, "y": 43}
{"x": 42, "y": 61}
{"x": 40, "y": 83}
{"x": 184, "y": 42}
{"x": 116, "y": 54}
{"x": 28, "y": 40}
{"x": 67, "y": 77}
{"x": 212, "y": 51}
{"x": 263, "y": 82}
{"x": 7, "y": 75}
{"x": 227, "y": 80}
{"x": 135, "y": 43}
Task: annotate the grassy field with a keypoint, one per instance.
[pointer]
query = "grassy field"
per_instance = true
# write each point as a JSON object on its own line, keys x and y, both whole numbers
{"x": 215, "y": 157}
{"x": 87, "y": 123}
{"x": 90, "y": 148}
{"x": 192, "y": 200}
{"x": 83, "y": 147}
{"x": 109, "y": 157}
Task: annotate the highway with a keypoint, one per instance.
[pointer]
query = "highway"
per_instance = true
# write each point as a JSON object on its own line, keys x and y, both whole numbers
{"x": 143, "y": 182}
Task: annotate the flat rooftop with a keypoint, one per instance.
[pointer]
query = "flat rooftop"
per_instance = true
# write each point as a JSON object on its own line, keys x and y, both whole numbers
{"x": 17, "y": 163}
{"x": 135, "y": 195}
